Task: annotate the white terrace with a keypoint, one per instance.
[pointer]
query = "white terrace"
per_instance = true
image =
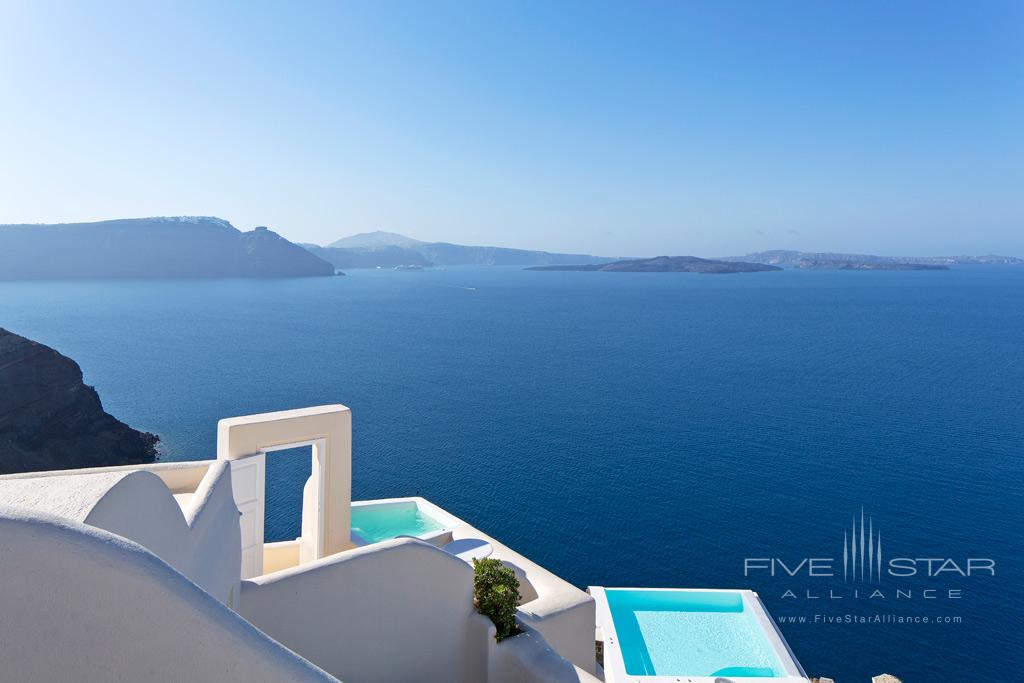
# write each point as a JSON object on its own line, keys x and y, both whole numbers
{"x": 160, "y": 572}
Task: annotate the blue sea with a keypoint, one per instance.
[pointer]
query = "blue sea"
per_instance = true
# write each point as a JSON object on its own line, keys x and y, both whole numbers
{"x": 631, "y": 429}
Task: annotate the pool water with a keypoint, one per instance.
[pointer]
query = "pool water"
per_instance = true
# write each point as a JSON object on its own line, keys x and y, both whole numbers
{"x": 690, "y": 633}
{"x": 381, "y": 522}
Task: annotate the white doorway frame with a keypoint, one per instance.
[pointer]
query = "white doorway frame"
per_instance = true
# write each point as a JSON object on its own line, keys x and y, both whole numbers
{"x": 328, "y": 430}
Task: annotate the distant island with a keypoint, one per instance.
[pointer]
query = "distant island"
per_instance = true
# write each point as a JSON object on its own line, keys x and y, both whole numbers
{"x": 179, "y": 247}
{"x": 827, "y": 264}
{"x": 381, "y": 249}
{"x": 388, "y": 256}
{"x": 388, "y": 249}
{"x": 51, "y": 420}
{"x": 794, "y": 259}
{"x": 666, "y": 264}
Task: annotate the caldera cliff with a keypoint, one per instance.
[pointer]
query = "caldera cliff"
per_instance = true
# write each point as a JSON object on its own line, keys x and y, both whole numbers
{"x": 50, "y": 419}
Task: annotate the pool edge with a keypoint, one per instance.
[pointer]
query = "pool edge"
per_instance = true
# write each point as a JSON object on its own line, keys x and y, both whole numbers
{"x": 614, "y": 663}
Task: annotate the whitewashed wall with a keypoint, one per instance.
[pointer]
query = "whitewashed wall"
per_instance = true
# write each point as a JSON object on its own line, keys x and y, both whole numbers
{"x": 81, "y": 604}
{"x": 528, "y": 658}
{"x": 201, "y": 541}
{"x": 391, "y": 612}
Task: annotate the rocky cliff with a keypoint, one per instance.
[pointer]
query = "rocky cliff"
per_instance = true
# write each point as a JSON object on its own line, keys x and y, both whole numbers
{"x": 49, "y": 419}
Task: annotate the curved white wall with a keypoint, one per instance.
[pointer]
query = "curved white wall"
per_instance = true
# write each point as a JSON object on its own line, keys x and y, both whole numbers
{"x": 205, "y": 548}
{"x": 202, "y": 541}
{"x": 391, "y": 612}
{"x": 81, "y": 604}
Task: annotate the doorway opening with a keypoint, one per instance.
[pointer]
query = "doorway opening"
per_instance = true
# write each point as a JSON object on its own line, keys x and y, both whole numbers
{"x": 287, "y": 471}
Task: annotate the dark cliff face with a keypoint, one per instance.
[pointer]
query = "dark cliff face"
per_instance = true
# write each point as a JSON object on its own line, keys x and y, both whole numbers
{"x": 50, "y": 420}
{"x": 184, "y": 247}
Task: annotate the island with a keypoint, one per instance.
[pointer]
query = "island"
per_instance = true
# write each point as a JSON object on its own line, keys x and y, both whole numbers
{"x": 51, "y": 420}
{"x": 665, "y": 264}
{"x": 792, "y": 259}
{"x": 381, "y": 249}
{"x": 388, "y": 256}
{"x": 163, "y": 247}
{"x": 829, "y": 264}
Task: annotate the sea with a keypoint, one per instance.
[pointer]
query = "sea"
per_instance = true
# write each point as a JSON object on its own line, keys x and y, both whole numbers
{"x": 635, "y": 429}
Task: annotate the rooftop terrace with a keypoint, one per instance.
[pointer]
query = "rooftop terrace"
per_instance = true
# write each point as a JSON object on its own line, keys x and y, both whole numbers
{"x": 162, "y": 572}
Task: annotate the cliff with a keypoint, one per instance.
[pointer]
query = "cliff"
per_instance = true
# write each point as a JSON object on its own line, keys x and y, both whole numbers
{"x": 182, "y": 247}
{"x": 49, "y": 419}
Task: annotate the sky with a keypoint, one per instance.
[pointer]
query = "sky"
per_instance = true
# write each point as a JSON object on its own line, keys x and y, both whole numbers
{"x": 706, "y": 128}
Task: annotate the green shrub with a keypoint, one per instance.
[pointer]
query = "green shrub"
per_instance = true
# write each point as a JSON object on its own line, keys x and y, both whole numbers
{"x": 496, "y": 594}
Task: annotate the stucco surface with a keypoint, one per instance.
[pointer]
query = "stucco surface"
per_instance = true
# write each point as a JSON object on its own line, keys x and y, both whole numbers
{"x": 395, "y": 611}
{"x": 528, "y": 658}
{"x": 81, "y": 604}
{"x": 201, "y": 541}
{"x": 72, "y": 496}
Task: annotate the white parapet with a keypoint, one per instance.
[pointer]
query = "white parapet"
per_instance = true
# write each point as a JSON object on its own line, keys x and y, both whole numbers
{"x": 182, "y": 512}
{"x": 83, "y": 604}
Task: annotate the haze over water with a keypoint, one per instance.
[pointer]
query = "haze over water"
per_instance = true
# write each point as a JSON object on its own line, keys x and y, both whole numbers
{"x": 621, "y": 429}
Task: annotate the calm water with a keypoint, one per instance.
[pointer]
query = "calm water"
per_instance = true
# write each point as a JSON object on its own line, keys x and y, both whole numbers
{"x": 375, "y": 523}
{"x": 650, "y": 626}
{"x": 628, "y": 429}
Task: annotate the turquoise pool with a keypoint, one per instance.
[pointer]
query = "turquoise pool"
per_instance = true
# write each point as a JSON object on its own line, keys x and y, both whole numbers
{"x": 690, "y": 633}
{"x": 383, "y": 521}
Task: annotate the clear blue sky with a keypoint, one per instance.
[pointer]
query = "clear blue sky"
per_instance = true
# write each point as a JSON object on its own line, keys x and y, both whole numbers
{"x": 701, "y": 128}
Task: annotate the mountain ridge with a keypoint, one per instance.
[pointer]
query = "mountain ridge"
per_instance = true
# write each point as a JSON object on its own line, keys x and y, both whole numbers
{"x": 374, "y": 239}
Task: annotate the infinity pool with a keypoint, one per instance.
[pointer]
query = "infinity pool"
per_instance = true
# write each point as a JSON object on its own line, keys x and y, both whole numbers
{"x": 691, "y": 633}
{"x": 382, "y": 521}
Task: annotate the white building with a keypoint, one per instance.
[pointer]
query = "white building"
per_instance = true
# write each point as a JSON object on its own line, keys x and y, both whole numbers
{"x": 160, "y": 572}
